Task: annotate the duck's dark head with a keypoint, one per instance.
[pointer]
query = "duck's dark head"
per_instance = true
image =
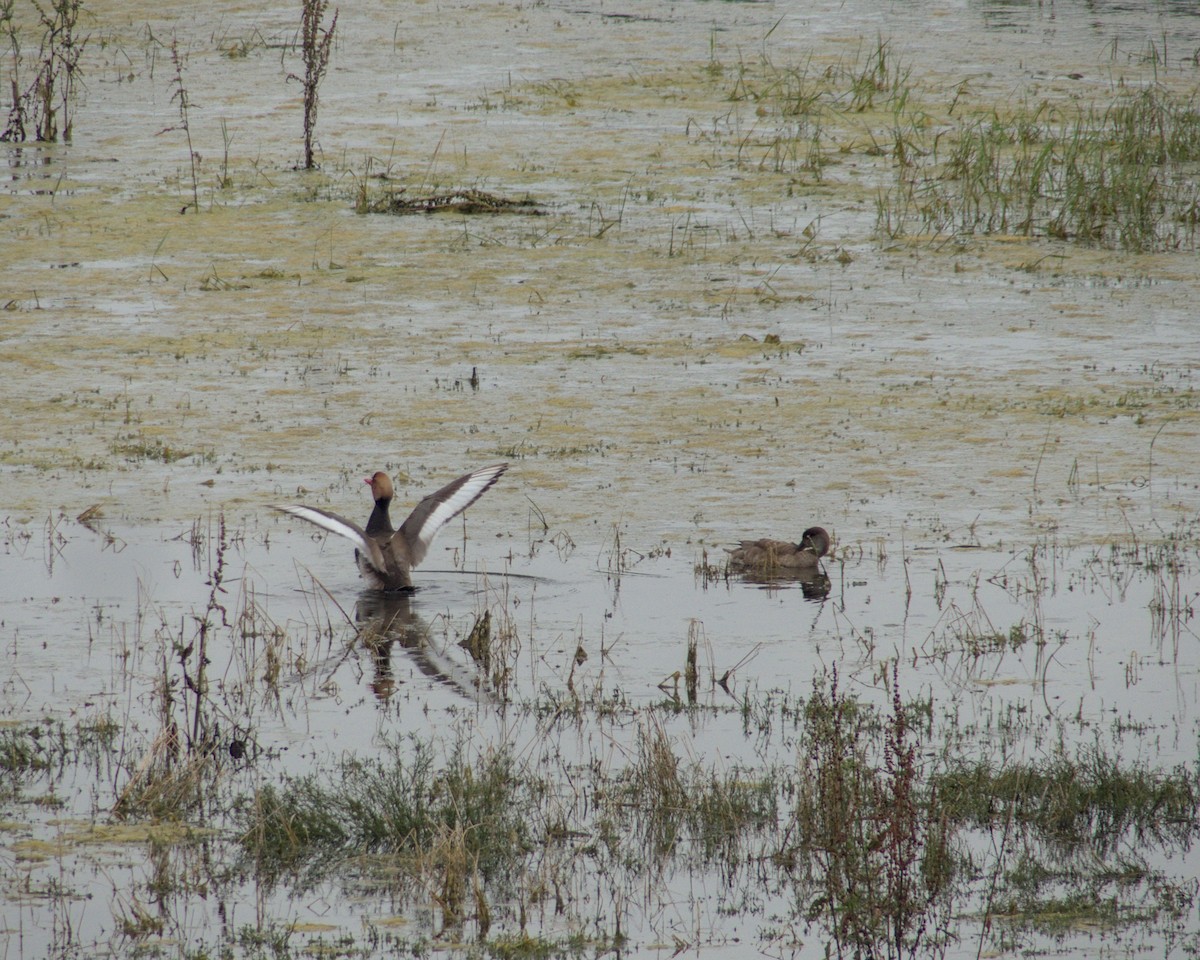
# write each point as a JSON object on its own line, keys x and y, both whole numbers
{"x": 817, "y": 540}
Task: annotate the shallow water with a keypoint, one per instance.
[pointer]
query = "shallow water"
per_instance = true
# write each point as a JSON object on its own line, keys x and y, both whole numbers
{"x": 1112, "y": 648}
{"x": 1001, "y": 434}
{"x": 86, "y": 639}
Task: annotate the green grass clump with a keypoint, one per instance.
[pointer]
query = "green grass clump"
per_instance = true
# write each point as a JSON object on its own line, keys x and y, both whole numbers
{"x": 1116, "y": 172}
{"x": 393, "y": 805}
{"x": 459, "y": 831}
{"x": 1091, "y": 801}
{"x": 677, "y": 809}
{"x": 1117, "y": 175}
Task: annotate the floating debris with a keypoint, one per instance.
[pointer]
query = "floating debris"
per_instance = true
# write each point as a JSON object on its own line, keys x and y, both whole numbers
{"x": 460, "y": 201}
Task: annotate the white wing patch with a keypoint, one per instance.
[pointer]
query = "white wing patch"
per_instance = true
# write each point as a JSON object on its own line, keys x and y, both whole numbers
{"x": 472, "y": 489}
{"x": 342, "y": 527}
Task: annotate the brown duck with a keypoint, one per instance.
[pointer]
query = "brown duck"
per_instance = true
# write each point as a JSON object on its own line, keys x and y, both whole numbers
{"x": 768, "y": 555}
{"x": 385, "y": 555}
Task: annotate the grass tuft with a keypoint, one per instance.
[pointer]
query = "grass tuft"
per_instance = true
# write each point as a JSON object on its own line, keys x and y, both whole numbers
{"x": 464, "y": 811}
{"x": 1091, "y": 801}
{"x": 1116, "y": 175}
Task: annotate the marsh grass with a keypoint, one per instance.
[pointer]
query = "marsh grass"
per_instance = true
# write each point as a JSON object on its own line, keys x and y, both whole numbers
{"x": 713, "y": 812}
{"x": 816, "y": 107}
{"x": 868, "y": 822}
{"x": 463, "y": 834}
{"x": 450, "y": 829}
{"x": 865, "y": 828}
{"x": 471, "y": 832}
{"x": 136, "y": 448}
{"x": 1171, "y": 608}
{"x": 875, "y": 78}
{"x": 655, "y": 785}
{"x": 1115, "y": 173}
{"x": 206, "y": 721}
{"x": 52, "y": 746}
{"x": 1089, "y": 801}
{"x": 494, "y": 641}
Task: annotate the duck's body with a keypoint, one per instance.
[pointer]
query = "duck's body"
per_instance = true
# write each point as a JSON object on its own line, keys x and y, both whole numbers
{"x": 385, "y": 555}
{"x": 781, "y": 555}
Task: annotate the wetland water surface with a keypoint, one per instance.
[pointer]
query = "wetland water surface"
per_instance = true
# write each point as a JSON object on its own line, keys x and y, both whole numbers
{"x": 741, "y": 308}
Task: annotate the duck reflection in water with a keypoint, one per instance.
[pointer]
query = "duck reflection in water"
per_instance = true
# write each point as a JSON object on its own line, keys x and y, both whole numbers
{"x": 388, "y": 620}
{"x": 814, "y": 584}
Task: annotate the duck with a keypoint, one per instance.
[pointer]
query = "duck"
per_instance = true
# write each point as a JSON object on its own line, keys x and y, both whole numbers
{"x": 780, "y": 555}
{"x": 386, "y": 556}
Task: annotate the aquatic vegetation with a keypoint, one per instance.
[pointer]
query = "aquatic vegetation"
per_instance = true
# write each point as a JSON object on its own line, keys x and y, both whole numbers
{"x": 1114, "y": 174}
{"x": 47, "y": 103}
{"x": 454, "y": 830}
{"x": 1091, "y": 800}
{"x": 569, "y": 744}
{"x": 316, "y": 46}
{"x": 872, "y": 832}
{"x": 870, "y": 840}
{"x": 49, "y": 748}
{"x": 873, "y": 839}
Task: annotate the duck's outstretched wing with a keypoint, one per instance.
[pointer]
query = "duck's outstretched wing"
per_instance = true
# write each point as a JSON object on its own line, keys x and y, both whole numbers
{"x": 416, "y": 533}
{"x": 343, "y": 528}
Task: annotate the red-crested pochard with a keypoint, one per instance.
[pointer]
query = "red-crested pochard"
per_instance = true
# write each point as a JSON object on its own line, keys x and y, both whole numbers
{"x": 385, "y": 555}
